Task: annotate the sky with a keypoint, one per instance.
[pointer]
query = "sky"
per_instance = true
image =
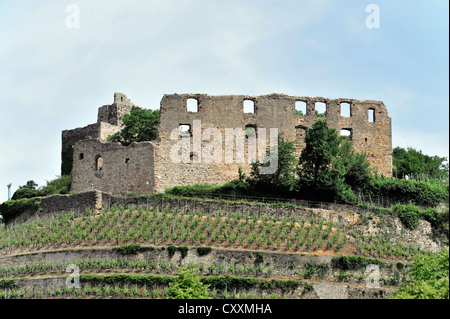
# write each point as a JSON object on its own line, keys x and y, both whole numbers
{"x": 55, "y": 73}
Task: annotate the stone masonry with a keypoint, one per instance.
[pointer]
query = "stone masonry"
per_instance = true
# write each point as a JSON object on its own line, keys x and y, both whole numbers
{"x": 149, "y": 167}
{"x": 108, "y": 122}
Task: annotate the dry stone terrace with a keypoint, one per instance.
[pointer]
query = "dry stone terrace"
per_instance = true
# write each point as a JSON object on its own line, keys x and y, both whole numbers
{"x": 148, "y": 167}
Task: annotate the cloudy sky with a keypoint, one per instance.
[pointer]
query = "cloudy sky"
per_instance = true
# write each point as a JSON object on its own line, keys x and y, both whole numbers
{"x": 54, "y": 77}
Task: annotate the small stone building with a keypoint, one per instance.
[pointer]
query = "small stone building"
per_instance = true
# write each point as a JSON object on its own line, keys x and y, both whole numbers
{"x": 200, "y": 139}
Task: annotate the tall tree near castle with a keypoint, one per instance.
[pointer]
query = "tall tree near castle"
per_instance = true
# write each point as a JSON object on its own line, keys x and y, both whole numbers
{"x": 140, "y": 125}
{"x": 328, "y": 166}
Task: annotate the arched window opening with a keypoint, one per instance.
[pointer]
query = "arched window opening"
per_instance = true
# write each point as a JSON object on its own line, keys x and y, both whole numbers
{"x": 371, "y": 115}
{"x": 300, "y": 108}
{"x": 320, "y": 109}
{"x": 192, "y": 105}
{"x": 346, "y": 133}
{"x": 98, "y": 163}
{"x": 346, "y": 109}
{"x": 250, "y": 131}
{"x": 249, "y": 106}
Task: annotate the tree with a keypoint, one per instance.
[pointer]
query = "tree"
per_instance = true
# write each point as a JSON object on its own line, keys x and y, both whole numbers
{"x": 413, "y": 162}
{"x": 140, "y": 125}
{"x": 59, "y": 185}
{"x": 188, "y": 286}
{"x": 283, "y": 180}
{"x": 357, "y": 168}
{"x": 27, "y": 191}
{"x": 319, "y": 173}
{"x": 328, "y": 166}
{"x": 427, "y": 278}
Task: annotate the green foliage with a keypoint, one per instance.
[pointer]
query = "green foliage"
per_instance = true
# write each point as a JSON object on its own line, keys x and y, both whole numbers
{"x": 354, "y": 262}
{"x": 427, "y": 278}
{"x": 12, "y": 208}
{"x": 259, "y": 258}
{"x": 320, "y": 270}
{"x": 188, "y": 286}
{"x": 233, "y": 282}
{"x": 319, "y": 114}
{"x": 327, "y": 164}
{"x": 357, "y": 169}
{"x": 172, "y": 250}
{"x": 8, "y": 284}
{"x": 400, "y": 190}
{"x": 26, "y": 193}
{"x": 412, "y": 162}
{"x": 149, "y": 280}
{"x": 184, "y": 251}
{"x": 409, "y": 215}
{"x": 203, "y": 251}
{"x": 67, "y": 160}
{"x": 60, "y": 185}
{"x": 283, "y": 180}
{"x": 140, "y": 125}
{"x": 131, "y": 249}
{"x": 400, "y": 265}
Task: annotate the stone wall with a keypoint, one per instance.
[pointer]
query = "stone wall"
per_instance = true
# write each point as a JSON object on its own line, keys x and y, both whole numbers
{"x": 205, "y": 156}
{"x": 70, "y": 137}
{"x": 270, "y": 111}
{"x": 282, "y": 264}
{"x": 61, "y": 204}
{"x": 108, "y": 122}
{"x": 113, "y": 167}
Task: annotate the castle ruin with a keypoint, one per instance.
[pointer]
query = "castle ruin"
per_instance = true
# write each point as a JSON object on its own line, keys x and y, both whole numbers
{"x": 147, "y": 167}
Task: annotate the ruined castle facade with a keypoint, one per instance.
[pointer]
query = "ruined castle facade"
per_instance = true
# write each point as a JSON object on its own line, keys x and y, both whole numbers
{"x": 148, "y": 167}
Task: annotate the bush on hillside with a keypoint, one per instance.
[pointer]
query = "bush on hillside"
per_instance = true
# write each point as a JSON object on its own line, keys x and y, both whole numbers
{"x": 419, "y": 192}
{"x": 12, "y": 208}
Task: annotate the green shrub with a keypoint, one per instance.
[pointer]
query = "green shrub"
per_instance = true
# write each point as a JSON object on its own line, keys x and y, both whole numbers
{"x": 60, "y": 185}
{"x": 12, "y": 208}
{"x": 113, "y": 279}
{"x": 259, "y": 258}
{"x": 400, "y": 190}
{"x": 188, "y": 285}
{"x": 131, "y": 249}
{"x": 171, "y": 250}
{"x": 8, "y": 284}
{"x": 184, "y": 251}
{"x": 427, "y": 278}
{"x": 203, "y": 251}
{"x": 25, "y": 192}
{"x": 409, "y": 215}
{"x": 354, "y": 262}
{"x": 320, "y": 270}
{"x": 400, "y": 265}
